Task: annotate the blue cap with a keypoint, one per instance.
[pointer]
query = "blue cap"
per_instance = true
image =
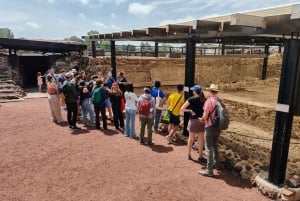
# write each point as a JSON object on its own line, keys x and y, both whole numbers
{"x": 196, "y": 88}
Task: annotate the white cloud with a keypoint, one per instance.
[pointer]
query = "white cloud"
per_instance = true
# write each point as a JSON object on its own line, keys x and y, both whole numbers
{"x": 113, "y": 15}
{"x": 82, "y": 16}
{"x": 33, "y": 25}
{"x": 100, "y": 24}
{"x": 120, "y": 1}
{"x": 84, "y": 2}
{"x": 141, "y": 9}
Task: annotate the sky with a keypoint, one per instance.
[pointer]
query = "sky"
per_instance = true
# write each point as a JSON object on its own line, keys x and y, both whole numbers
{"x": 59, "y": 19}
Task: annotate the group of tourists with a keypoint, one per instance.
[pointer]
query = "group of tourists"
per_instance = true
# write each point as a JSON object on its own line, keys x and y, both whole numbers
{"x": 93, "y": 99}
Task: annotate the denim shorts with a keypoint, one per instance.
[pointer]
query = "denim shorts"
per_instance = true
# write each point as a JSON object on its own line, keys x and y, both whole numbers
{"x": 107, "y": 102}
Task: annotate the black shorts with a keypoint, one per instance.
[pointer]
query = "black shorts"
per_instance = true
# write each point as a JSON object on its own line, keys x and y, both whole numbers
{"x": 174, "y": 120}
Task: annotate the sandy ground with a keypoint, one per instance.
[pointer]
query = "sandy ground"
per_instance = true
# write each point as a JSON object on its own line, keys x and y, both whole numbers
{"x": 44, "y": 161}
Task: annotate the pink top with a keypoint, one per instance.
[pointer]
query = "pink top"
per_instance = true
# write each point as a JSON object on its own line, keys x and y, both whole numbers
{"x": 208, "y": 108}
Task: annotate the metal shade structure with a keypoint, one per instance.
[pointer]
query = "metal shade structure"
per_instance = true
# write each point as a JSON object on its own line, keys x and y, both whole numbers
{"x": 276, "y": 26}
{"x": 266, "y": 26}
{"x": 42, "y": 45}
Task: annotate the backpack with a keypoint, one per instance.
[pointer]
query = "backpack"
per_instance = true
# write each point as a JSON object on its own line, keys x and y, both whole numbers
{"x": 144, "y": 106}
{"x": 65, "y": 90}
{"x": 221, "y": 119}
{"x": 96, "y": 96}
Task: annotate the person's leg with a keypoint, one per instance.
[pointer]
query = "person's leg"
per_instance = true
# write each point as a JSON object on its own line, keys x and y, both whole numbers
{"x": 190, "y": 145}
{"x": 150, "y": 122}
{"x": 142, "y": 129}
{"x": 50, "y": 101}
{"x": 209, "y": 138}
{"x": 57, "y": 110}
{"x": 116, "y": 118}
{"x": 200, "y": 144}
{"x": 157, "y": 119}
{"x": 91, "y": 113}
{"x": 103, "y": 115}
{"x": 69, "y": 114}
{"x": 215, "y": 147}
{"x": 132, "y": 123}
{"x": 84, "y": 111}
{"x": 121, "y": 118}
{"x": 127, "y": 124}
{"x": 75, "y": 113}
{"x": 97, "y": 111}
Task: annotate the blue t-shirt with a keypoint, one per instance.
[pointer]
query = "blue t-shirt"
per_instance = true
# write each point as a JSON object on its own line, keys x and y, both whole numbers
{"x": 155, "y": 94}
{"x": 110, "y": 81}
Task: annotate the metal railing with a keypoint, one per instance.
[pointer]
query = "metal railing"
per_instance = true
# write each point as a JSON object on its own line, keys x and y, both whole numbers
{"x": 179, "y": 52}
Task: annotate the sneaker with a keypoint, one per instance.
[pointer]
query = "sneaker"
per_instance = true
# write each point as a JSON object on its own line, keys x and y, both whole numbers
{"x": 202, "y": 160}
{"x": 142, "y": 142}
{"x": 206, "y": 172}
{"x": 169, "y": 139}
{"x": 188, "y": 157}
{"x": 75, "y": 128}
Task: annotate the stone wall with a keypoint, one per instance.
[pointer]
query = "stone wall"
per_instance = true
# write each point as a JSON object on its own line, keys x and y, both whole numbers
{"x": 170, "y": 71}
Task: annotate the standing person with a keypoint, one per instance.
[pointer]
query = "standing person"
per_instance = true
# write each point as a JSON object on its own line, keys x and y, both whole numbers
{"x": 159, "y": 97}
{"x": 53, "y": 100}
{"x": 122, "y": 81}
{"x": 194, "y": 106}
{"x": 60, "y": 81}
{"x": 175, "y": 101}
{"x": 98, "y": 99}
{"x": 108, "y": 102}
{"x": 86, "y": 107}
{"x": 71, "y": 95}
{"x": 146, "y": 110}
{"x": 211, "y": 133}
{"x": 110, "y": 80}
{"x": 130, "y": 111}
{"x": 115, "y": 96}
{"x": 39, "y": 81}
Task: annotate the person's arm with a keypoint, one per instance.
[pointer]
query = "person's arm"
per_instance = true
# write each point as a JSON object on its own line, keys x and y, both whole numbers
{"x": 184, "y": 108}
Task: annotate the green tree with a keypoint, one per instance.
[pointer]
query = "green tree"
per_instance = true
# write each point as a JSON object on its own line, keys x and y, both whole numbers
{"x": 90, "y": 33}
{"x": 165, "y": 47}
{"x": 6, "y": 33}
{"x": 105, "y": 45}
{"x": 74, "y": 38}
{"x": 146, "y": 46}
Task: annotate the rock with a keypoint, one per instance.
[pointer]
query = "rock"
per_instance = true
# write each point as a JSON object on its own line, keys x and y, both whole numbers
{"x": 292, "y": 183}
{"x": 246, "y": 175}
{"x": 245, "y": 157}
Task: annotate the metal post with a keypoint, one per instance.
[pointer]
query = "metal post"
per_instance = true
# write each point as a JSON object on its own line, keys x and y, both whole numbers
{"x": 113, "y": 58}
{"x": 156, "y": 50}
{"x": 223, "y": 49}
{"x": 290, "y": 75}
{"x": 279, "y": 48}
{"x": 93, "y": 49}
{"x": 189, "y": 75}
{"x": 265, "y": 64}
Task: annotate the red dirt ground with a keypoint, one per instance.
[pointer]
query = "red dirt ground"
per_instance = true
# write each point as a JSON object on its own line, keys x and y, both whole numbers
{"x": 44, "y": 161}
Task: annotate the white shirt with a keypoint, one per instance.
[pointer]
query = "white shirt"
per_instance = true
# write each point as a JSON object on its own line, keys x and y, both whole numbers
{"x": 131, "y": 100}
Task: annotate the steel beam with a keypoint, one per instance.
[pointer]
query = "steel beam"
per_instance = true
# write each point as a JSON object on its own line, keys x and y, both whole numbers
{"x": 265, "y": 63}
{"x": 113, "y": 58}
{"x": 93, "y": 49}
{"x": 290, "y": 74}
{"x": 189, "y": 78}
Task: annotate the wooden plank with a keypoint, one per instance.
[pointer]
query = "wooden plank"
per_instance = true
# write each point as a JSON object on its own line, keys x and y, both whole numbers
{"x": 174, "y": 28}
{"x": 151, "y": 31}
{"x": 248, "y": 20}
